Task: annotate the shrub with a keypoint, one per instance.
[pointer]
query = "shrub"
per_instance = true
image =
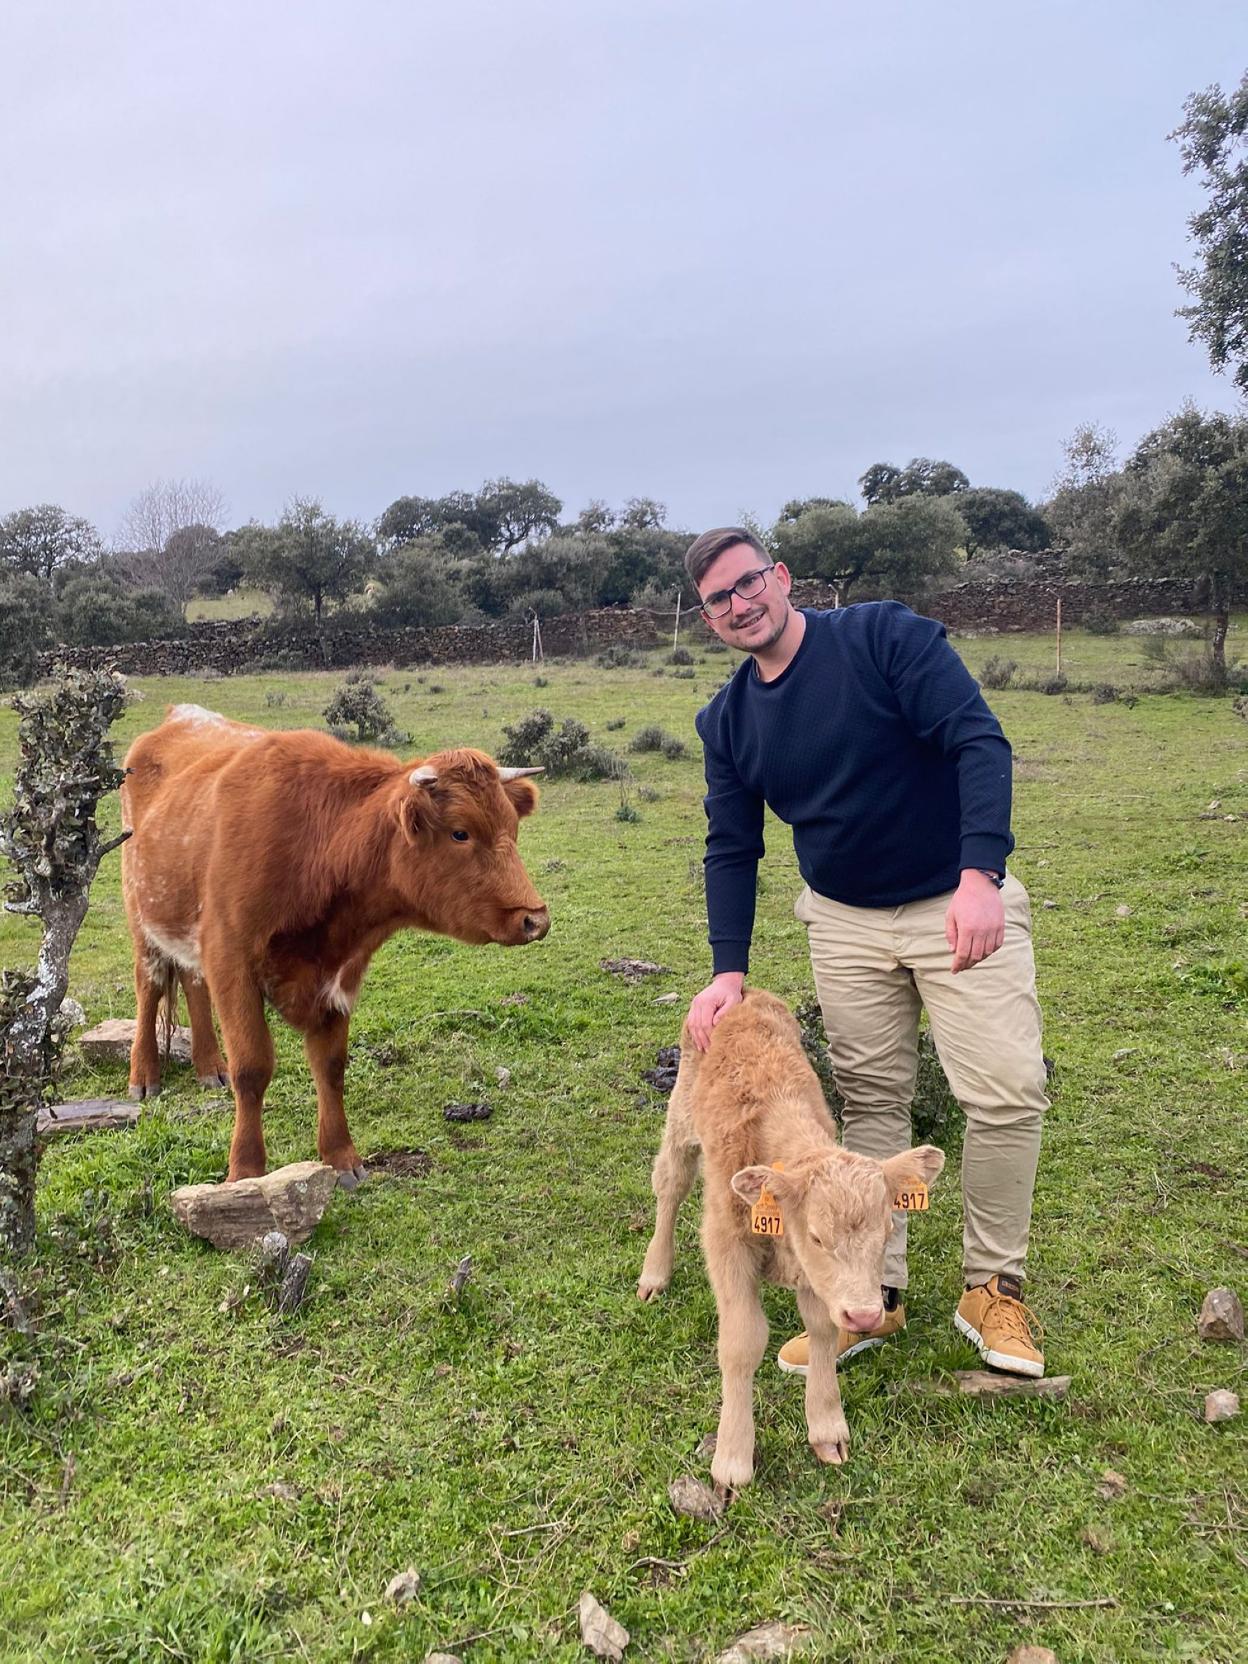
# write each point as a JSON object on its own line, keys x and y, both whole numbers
{"x": 672, "y": 748}
{"x": 541, "y": 681}
{"x": 1104, "y": 693}
{"x": 626, "y": 812}
{"x": 436, "y": 687}
{"x": 359, "y": 704}
{"x": 680, "y": 655}
{"x": 615, "y": 724}
{"x": 683, "y": 675}
{"x": 274, "y": 698}
{"x": 647, "y": 794}
{"x": 649, "y": 738}
{"x": 26, "y": 612}
{"x": 1097, "y": 621}
{"x": 362, "y": 676}
{"x": 97, "y": 610}
{"x": 618, "y": 657}
{"x": 998, "y": 673}
{"x": 715, "y": 646}
{"x": 534, "y": 741}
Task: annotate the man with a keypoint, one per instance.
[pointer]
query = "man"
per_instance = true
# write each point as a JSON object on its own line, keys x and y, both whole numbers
{"x": 863, "y": 730}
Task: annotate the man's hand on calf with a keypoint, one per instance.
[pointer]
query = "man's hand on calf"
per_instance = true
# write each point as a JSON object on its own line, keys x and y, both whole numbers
{"x": 709, "y": 1006}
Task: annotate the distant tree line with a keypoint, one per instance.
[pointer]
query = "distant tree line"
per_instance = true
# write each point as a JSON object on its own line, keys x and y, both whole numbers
{"x": 1177, "y": 504}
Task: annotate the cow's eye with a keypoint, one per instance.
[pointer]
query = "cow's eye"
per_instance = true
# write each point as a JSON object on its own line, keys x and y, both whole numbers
{"x": 460, "y": 837}
{"x": 817, "y": 1240}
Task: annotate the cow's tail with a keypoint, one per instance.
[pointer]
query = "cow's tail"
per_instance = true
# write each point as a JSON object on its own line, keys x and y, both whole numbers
{"x": 168, "y": 980}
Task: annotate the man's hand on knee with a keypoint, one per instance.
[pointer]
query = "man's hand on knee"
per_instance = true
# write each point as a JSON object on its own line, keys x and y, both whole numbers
{"x": 709, "y": 1006}
{"x": 975, "y": 921}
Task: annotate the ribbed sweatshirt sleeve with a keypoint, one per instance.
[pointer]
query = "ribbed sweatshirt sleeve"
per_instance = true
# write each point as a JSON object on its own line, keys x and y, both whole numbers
{"x": 734, "y": 847}
{"x": 942, "y": 703}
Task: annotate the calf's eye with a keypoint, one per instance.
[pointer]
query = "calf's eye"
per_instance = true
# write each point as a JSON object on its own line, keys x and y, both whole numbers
{"x": 460, "y": 837}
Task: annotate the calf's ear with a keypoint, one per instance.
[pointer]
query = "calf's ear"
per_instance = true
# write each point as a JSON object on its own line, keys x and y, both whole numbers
{"x": 750, "y": 1183}
{"x": 522, "y": 794}
{"x": 416, "y": 811}
{"x": 924, "y": 1162}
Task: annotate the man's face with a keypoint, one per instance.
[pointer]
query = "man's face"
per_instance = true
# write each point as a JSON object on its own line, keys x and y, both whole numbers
{"x": 753, "y": 624}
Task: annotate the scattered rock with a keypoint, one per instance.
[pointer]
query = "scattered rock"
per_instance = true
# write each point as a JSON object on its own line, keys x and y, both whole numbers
{"x": 986, "y": 1383}
{"x": 86, "y": 1115}
{"x": 1221, "y": 1316}
{"x": 774, "y": 1640}
{"x": 1050, "y": 904}
{"x": 290, "y": 1200}
{"x": 667, "y": 999}
{"x": 467, "y": 1112}
{"x": 1032, "y": 1655}
{"x": 1111, "y": 1486}
{"x": 503, "y": 1077}
{"x": 281, "y": 1491}
{"x": 404, "y": 1586}
{"x": 1124, "y": 1052}
{"x": 111, "y": 1040}
{"x": 1122, "y": 911}
{"x": 632, "y": 970}
{"x": 514, "y": 999}
{"x": 689, "y": 1496}
{"x": 1094, "y": 1539}
{"x": 599, "y": 1630}
{"x": 443, "y": 1658}
{"x": 1221, "y": 1405}
{"x": 663, "y": 1076}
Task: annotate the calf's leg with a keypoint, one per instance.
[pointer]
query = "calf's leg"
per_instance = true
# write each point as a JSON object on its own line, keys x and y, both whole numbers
{"x": 742, "y": 1342}
{"x": 826, "y": 1427}
{"x": 249, "y": 1049}
{"x": 206, "y": 1056}
{"x": 149, "y": 987}
{"x": 326, "y": 1046}
{"x": 675, "y": 1169}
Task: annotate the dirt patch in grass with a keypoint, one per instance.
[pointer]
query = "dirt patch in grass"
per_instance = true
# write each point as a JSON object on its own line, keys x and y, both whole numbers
{"x": 400, "y": 1164}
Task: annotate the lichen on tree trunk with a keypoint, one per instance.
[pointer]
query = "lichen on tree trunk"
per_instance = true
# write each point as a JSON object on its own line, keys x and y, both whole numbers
{"x": 51, "y": 839}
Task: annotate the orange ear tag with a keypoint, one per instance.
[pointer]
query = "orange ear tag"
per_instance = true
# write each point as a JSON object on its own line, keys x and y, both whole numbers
{"x": 765, "y": 1217}
{"x": 912, "y": 1196}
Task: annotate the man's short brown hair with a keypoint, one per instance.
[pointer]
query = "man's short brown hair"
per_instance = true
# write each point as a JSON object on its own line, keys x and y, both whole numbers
{"x": 711, "y": 545}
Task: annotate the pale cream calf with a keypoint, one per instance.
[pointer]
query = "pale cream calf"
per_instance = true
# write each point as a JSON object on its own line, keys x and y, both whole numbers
{"x": 753, "y": 1108}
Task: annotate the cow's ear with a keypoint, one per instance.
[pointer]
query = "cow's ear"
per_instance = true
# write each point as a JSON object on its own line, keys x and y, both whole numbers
{"x": 924, "y": 1162}
{"x": 417, "y": 812}
{"x": 750, "y": 1183}
{"x": 522, "y": 795}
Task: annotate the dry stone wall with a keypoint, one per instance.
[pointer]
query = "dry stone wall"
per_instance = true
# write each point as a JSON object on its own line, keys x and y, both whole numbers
{"x": 227, "y": 648}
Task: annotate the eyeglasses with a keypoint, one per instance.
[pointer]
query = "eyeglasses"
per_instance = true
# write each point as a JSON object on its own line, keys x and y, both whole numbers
{"x": 749, "y": 584}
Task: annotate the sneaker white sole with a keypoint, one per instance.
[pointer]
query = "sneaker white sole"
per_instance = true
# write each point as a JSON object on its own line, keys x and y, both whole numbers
{"x": 997, "y": 1360}
{"x": 849, "y": 1352}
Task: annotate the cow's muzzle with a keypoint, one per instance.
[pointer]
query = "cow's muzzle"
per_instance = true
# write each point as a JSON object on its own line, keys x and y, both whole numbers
{"x": 535, "y": 924}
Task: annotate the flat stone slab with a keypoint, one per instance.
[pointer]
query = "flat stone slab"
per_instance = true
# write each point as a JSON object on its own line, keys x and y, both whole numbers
{"x": 291, "y": 1200}
{"x": 86, "y": 1115}
{"x": 111, "y": 1040}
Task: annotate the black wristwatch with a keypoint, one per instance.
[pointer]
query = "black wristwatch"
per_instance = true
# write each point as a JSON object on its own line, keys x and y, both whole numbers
{"x": 998, "y": 878}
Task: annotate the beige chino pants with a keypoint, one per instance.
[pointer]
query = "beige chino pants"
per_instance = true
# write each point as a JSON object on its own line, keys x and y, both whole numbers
{"x": 875, "y": 967}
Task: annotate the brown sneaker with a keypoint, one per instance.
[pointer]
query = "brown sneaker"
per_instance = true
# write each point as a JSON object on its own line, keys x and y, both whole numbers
{"x": 994, "y": 1319}
{"x": 794, "y": 1355}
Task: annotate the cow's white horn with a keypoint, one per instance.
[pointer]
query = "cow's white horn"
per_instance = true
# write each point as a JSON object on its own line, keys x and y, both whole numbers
{"x": 518, "y": 773}
{"x": 423, "y": 776}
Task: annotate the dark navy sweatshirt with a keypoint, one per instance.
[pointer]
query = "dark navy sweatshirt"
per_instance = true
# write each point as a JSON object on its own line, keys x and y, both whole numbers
{"x": 876, "y": 747}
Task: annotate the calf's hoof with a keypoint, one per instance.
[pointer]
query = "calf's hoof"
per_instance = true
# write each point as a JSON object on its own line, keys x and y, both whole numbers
{"x": 138, "y": 1089}
{"x": 834, "y": 1450}
{"x": 216, "y": 1078}
{"x": 729, "y": 1476}
{"x": 649, "y": 1288}
{"x": 351, "y": 1178}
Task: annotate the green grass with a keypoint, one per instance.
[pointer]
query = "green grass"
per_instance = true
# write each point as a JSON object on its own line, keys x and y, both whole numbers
{"x": 518, "y": 1448}
{"x": 239, "y": 603}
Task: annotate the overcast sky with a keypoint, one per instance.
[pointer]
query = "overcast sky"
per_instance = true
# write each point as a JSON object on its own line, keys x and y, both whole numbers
{"x": 719, "y": 253}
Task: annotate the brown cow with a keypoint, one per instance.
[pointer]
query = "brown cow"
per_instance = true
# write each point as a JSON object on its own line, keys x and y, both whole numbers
{"x": 271, "y": 866}
{"x": 753, "y": 1107}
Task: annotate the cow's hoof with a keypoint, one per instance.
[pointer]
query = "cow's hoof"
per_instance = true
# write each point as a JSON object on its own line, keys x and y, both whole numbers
{"x": 351, "y": 1178}
{"x": 727, "y": 1494}
{"x": 218, "y": 1079}
{"x": 833, "y": 1451}
{"x": 138, "y": 1090}
{"x": 647, "y": 1290}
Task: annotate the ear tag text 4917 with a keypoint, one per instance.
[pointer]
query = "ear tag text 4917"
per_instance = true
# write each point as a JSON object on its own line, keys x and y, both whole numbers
{"x": 765, "y": 1217}
{"x": 911, "y": 1196}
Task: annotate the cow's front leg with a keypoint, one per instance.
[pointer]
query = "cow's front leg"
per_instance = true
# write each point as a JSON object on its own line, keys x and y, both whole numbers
{"x": 249, "y": 1048}
{"x": 675, "y": 1169}
{"x": 326, "y": 1045}
{"x": 206, "y": 1057}
{"x": 826, "y": 1427}
{"x": 742, "y": 1342}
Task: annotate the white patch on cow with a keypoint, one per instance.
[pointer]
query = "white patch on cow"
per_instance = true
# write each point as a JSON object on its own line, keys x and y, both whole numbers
{"x": 183, "y": 950}
{"x": 338, "y": 998}
{"x": 197, "y": 715}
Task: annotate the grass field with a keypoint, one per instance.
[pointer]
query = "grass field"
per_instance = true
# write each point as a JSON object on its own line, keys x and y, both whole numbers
{"x": 196, "y": 1478}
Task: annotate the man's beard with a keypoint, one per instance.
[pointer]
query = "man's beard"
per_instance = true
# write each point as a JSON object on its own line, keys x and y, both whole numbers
{"x": 770, "y": 641}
